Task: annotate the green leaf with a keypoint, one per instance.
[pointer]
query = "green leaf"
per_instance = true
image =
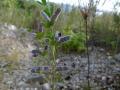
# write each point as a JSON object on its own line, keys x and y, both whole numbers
{"x": 44, "y": 2}
{"x": 39, "y": 2}
{"x": 48, "y": 24}
{"x": 39, "y": 35}
{"x": 45, "y": 15}
{"x": 46, "y": 10}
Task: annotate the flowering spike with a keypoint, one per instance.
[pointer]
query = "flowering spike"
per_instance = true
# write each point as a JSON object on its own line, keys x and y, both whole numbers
{"x": 58, "y": 34}
{"x": 35, "y": 53}
{"x": 63, "y": 38}
{"x": 35, "y": 69}
{"x": 55, "y": 15}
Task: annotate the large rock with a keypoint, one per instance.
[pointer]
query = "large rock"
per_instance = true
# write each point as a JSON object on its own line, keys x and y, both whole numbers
{"x": 15, "y": 44}
{"x": 15, "y": 58}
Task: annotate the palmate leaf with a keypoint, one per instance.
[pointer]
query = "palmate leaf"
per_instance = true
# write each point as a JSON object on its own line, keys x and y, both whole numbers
{"x": 51, "y": 7}
{"x": 55, "y": 15}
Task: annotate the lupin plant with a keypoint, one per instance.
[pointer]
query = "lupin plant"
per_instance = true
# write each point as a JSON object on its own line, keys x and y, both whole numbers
{"x": 50, "y": 37}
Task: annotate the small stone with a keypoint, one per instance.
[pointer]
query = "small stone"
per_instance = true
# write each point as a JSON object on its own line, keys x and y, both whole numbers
{"x": 46, "y": 86}
{"x": 73, "y": 65}
{"x": 101, "y": 50}
{"x": 69, "y": 87}
{"x": 57, "y": 61}
{"x": 22, "y": 84}
{"x": 62, "y": 68}
{"x": 68, "y": 77}
{"x": 117, "y": 57}
{"x": 3, "y": 64}
{"x": 35, "y": 78}
{"x": 103, "y": 78}
{"x": 108, "y": 54}
{"x": 109, "y": 80}
{"x": 117, "y": 70}
{"x": 60, "y": 86}
{"x": 9, "y": 82}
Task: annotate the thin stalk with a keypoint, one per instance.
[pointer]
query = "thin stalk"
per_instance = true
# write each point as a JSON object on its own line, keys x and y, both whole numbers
{"x": 53, "y": 62}
{"x": 116, "y": 46}
{"x": 92, "y": 32}
{"x": 87, "y": 53}
{"x": 54, "y": 66}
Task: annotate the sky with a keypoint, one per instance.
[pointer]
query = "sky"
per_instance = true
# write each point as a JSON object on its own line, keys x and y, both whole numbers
{"x": 108, "y": 5}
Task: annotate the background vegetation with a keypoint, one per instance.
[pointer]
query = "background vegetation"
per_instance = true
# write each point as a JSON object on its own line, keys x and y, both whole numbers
{"x": 25, "y": 13}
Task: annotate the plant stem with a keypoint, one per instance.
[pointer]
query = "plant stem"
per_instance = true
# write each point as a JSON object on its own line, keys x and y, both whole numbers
{"x": 54, "y": 58}
{"x": 53, "y": 71}
{"x": 87, "y": 53}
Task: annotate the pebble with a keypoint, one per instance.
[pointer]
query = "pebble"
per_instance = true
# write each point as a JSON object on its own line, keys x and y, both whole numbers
{"x": 46, "y": 86}
{"x": 60, "y": 86}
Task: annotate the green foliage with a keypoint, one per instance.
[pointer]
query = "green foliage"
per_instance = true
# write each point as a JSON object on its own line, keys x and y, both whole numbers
{"x": 105, "y": 32}
{"x": 18, "y": 12}
{"x": 44, "y": 2}
{"x": 48, "y": 38}
{"x": 75, "y": 44}
{"x": 26, "y": 13}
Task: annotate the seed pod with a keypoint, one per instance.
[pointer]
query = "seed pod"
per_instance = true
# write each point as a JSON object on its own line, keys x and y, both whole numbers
{"x": 55, "y": 15}
{"x": 46, "y": 17}
{"x": 84, "y": 13}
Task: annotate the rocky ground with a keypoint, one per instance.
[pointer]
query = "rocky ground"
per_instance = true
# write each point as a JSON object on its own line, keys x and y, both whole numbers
{"x": 20, "y": 74}
{"x": 104, "y": 73}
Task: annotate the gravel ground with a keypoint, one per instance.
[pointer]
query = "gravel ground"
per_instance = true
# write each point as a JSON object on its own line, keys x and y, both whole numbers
{"x": 104, "y": 73}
